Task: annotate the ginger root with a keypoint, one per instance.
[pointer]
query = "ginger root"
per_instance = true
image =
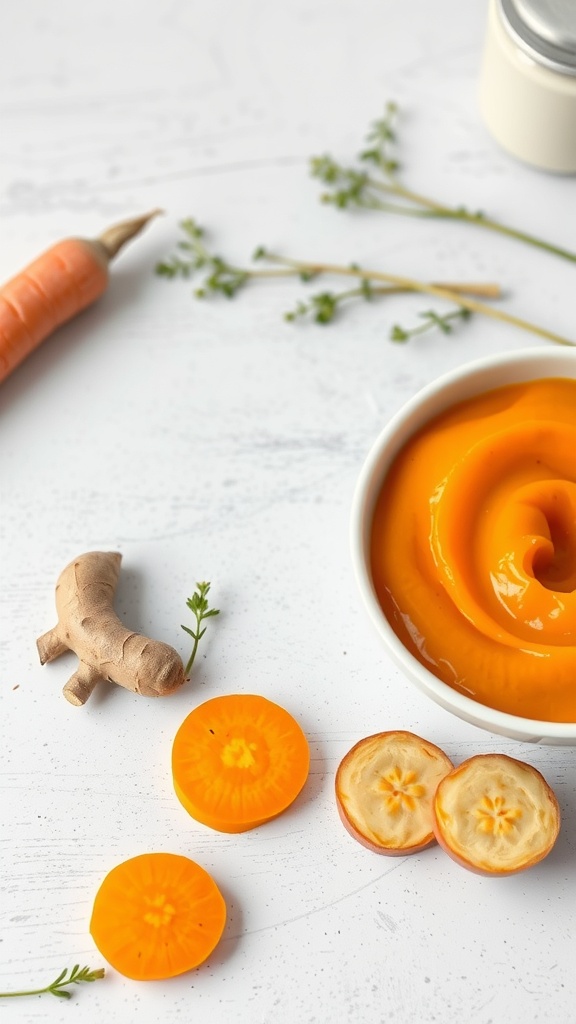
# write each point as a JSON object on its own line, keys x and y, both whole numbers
{"x": 88, "y": 625}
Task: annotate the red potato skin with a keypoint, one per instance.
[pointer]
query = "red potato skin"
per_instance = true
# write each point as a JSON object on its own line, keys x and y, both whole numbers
{"x": 403, "y": 851}
{"x": 386, "y": 851}
{"x": 466, "y": 864}
{"x": 484, "y": 872}
{"x": 474, "y": 868}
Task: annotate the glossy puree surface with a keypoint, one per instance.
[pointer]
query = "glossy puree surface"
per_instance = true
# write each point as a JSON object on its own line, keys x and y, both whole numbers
{"x": 473, "y": 548}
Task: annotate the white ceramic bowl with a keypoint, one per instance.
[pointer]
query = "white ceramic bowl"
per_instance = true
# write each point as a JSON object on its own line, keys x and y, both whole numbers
{"x": 471, "y": 379}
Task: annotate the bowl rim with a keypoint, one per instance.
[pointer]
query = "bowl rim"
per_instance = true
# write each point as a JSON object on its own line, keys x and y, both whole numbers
{"x": 456, "y": 385}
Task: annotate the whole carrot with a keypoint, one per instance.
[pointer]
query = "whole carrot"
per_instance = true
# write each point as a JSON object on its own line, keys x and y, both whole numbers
{"x": 64, "y": 280}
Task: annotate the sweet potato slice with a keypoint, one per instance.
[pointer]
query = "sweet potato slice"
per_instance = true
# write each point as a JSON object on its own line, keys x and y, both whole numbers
{"x": 496, "y": 815}
{"x": 385, "y": 787}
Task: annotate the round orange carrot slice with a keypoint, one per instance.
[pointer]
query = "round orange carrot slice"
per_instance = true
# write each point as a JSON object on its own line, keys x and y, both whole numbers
{"x": 157, "y": 915}
{"x": 238, "y": 761}
{"x": 496, "y": 815}
{"x": 384, "y": 791}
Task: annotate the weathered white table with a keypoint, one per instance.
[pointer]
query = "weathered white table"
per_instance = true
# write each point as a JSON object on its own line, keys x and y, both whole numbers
{"x": 217, "y": 441}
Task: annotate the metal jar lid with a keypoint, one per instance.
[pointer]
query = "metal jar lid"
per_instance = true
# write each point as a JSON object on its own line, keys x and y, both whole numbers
{"x": 543, "y": 29}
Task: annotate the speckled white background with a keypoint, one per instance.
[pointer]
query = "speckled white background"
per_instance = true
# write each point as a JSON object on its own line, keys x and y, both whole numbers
{"x": 217, "y": 441}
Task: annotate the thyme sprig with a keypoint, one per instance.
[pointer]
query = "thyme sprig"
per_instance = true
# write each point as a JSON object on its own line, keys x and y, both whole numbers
{"x": 225, "y": 278}
{"x": 198, "y": 605}
{"x": 75, "y": 976}
{"x": 380, "y": 187}
{"x": 220, "y": 275}
{"x": 431, "y": 320}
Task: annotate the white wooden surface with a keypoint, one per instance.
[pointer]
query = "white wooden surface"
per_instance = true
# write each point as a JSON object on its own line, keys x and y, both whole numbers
{"x": 217, "y": 441}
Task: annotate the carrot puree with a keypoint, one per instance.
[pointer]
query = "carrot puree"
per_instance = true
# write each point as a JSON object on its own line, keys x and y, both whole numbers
{"x": 473, "y": 548}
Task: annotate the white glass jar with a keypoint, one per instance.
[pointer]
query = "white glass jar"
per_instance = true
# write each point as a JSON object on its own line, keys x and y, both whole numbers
{"x": 528, "y": 81}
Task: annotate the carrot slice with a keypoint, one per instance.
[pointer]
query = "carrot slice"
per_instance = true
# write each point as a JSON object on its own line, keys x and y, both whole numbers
{"x": 496, "y": 815}
{"x": 385, "y": 788}
{"x": 238, "y": 761}
{"x": 157, "y": 915}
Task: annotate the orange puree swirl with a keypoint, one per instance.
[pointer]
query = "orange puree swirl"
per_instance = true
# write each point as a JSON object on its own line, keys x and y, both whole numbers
{"x": 473, "y": 548}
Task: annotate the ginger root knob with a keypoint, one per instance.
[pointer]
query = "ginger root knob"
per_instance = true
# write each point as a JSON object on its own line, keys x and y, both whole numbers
{"x": 88, "y": 625}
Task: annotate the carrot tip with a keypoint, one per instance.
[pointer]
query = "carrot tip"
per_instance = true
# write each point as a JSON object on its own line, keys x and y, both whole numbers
{"x": 116, "y": 236}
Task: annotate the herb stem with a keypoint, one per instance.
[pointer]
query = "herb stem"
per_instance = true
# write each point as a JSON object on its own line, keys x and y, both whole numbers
{"x": 249, "y": 272}
{"x": 58, "y": 987}
{"x": 352, "y": 186}
{"x": 440, "y": 292}
{"x": 487, "y": 289}
{"x": 198, "y": 605}
{"x": 190, "y": 661}
{"x": 25, "y": 992}
{"x": 295, "y": 268}
{"x": 432, "y": 208}
{"x": 520, "y": 236}
{"x": 228, "y": 279}
{"x": 431, "y": 319}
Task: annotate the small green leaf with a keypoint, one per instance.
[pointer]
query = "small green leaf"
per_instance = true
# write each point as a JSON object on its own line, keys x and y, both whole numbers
{"x": 372, "y": 155}
{"x": 198, "y": 605}
{"x": 95, "y": 975}
{"x": 58, "y": 986}
{"x": 398, "y": 333}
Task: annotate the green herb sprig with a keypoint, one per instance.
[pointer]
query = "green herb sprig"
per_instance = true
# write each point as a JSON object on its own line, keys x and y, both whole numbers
{"x": 220, "y": 276}
{"x": 381, "y": 188}
{"x": 225, "y": 278}
{"x": 76, "y": 976}
{"x": 198, "y": 605}
{"x": 431, "y": 320}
